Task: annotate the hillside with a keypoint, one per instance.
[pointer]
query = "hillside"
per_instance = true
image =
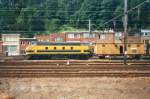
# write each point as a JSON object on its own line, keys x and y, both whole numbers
{"x": 45, "y": 16}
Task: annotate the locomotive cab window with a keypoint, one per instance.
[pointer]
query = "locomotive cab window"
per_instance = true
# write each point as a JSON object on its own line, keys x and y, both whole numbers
{"x": 63, "y": 48}
{"x": 46, "y": 48}
{"x": 55, "y": 48}
{"x": 71, "y": 48}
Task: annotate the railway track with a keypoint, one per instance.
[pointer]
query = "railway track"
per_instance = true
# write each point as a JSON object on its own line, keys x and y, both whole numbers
{"x": 72, "y": 62}
{"x": 73, "y": 69}
{"x": 38, "y": 75}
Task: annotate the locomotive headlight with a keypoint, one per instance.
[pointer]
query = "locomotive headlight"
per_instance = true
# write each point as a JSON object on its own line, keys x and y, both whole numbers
{"x": 29, "y": 50}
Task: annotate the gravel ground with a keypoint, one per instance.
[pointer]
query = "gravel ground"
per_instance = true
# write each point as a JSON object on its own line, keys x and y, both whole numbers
{"x": 75, "y": 88}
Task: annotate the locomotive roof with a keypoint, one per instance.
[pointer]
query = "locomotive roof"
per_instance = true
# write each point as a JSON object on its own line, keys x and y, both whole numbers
{"x": 68, "y": 43}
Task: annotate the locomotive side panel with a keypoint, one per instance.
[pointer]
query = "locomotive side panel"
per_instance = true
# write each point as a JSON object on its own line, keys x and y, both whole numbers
{"x": 59, "y": 50}
{"x": 82, "y": 51}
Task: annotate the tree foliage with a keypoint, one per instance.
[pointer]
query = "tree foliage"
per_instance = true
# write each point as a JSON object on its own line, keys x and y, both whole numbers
{"x": 34, "y": 16}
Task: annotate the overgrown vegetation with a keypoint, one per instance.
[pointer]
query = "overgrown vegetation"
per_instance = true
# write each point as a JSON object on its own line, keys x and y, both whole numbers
{"x": 49, "y": 16}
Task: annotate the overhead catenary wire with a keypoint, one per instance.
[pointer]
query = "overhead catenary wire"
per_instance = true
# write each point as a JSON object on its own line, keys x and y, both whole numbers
{"x": 80, "y": 20}
{"x": 129, "y": 11}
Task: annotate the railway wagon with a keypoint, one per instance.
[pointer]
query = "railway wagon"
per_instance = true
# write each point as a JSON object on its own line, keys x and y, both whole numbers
{"x": 40, "y": 50}
{"x": 103, "y": 50}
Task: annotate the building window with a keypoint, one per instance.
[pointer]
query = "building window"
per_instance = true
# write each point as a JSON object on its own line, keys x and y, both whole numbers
{"x": 116, "y": 45}
{"x": 92, "y": 35}
{"x": 11, "y": 50}
{"x": 59, "y": 39}
{"x": 70, "y": 35}
{"x": 22, "y": 42}
{"x": 86, "y": 35}
{"x": 118, "y": 34}
{"x": 10, "y": 39}
{"x": 138, "y": 45}
{"x": 29, "y": 43}
{"x": 103, "y": 36}
{"x": 77, "y": 35}
{"x": 129, "y": 45}
{"x": 146, "y": 34}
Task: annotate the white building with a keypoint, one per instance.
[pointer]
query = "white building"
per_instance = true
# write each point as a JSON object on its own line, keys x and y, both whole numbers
{"x": 146, "y": 39}
{"x": 145, "y": 32}
{"x": 11, "y": 44}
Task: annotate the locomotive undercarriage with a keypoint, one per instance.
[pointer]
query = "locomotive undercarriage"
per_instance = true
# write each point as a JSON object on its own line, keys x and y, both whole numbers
{"x": 59, "y": 56}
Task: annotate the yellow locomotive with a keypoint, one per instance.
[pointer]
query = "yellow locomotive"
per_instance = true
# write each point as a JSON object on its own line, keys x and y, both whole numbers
{"x": 40, "y": 50}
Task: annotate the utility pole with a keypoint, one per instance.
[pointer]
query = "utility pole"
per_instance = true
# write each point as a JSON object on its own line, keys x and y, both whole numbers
{"x": 114, "y": 23}
{"x": 138, "y": 14}
{"x": 89, "y": 25}
{"x": 125, "y": 30}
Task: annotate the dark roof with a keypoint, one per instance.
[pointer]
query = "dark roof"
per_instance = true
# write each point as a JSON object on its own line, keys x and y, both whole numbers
{"x": 68, "y": 43}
